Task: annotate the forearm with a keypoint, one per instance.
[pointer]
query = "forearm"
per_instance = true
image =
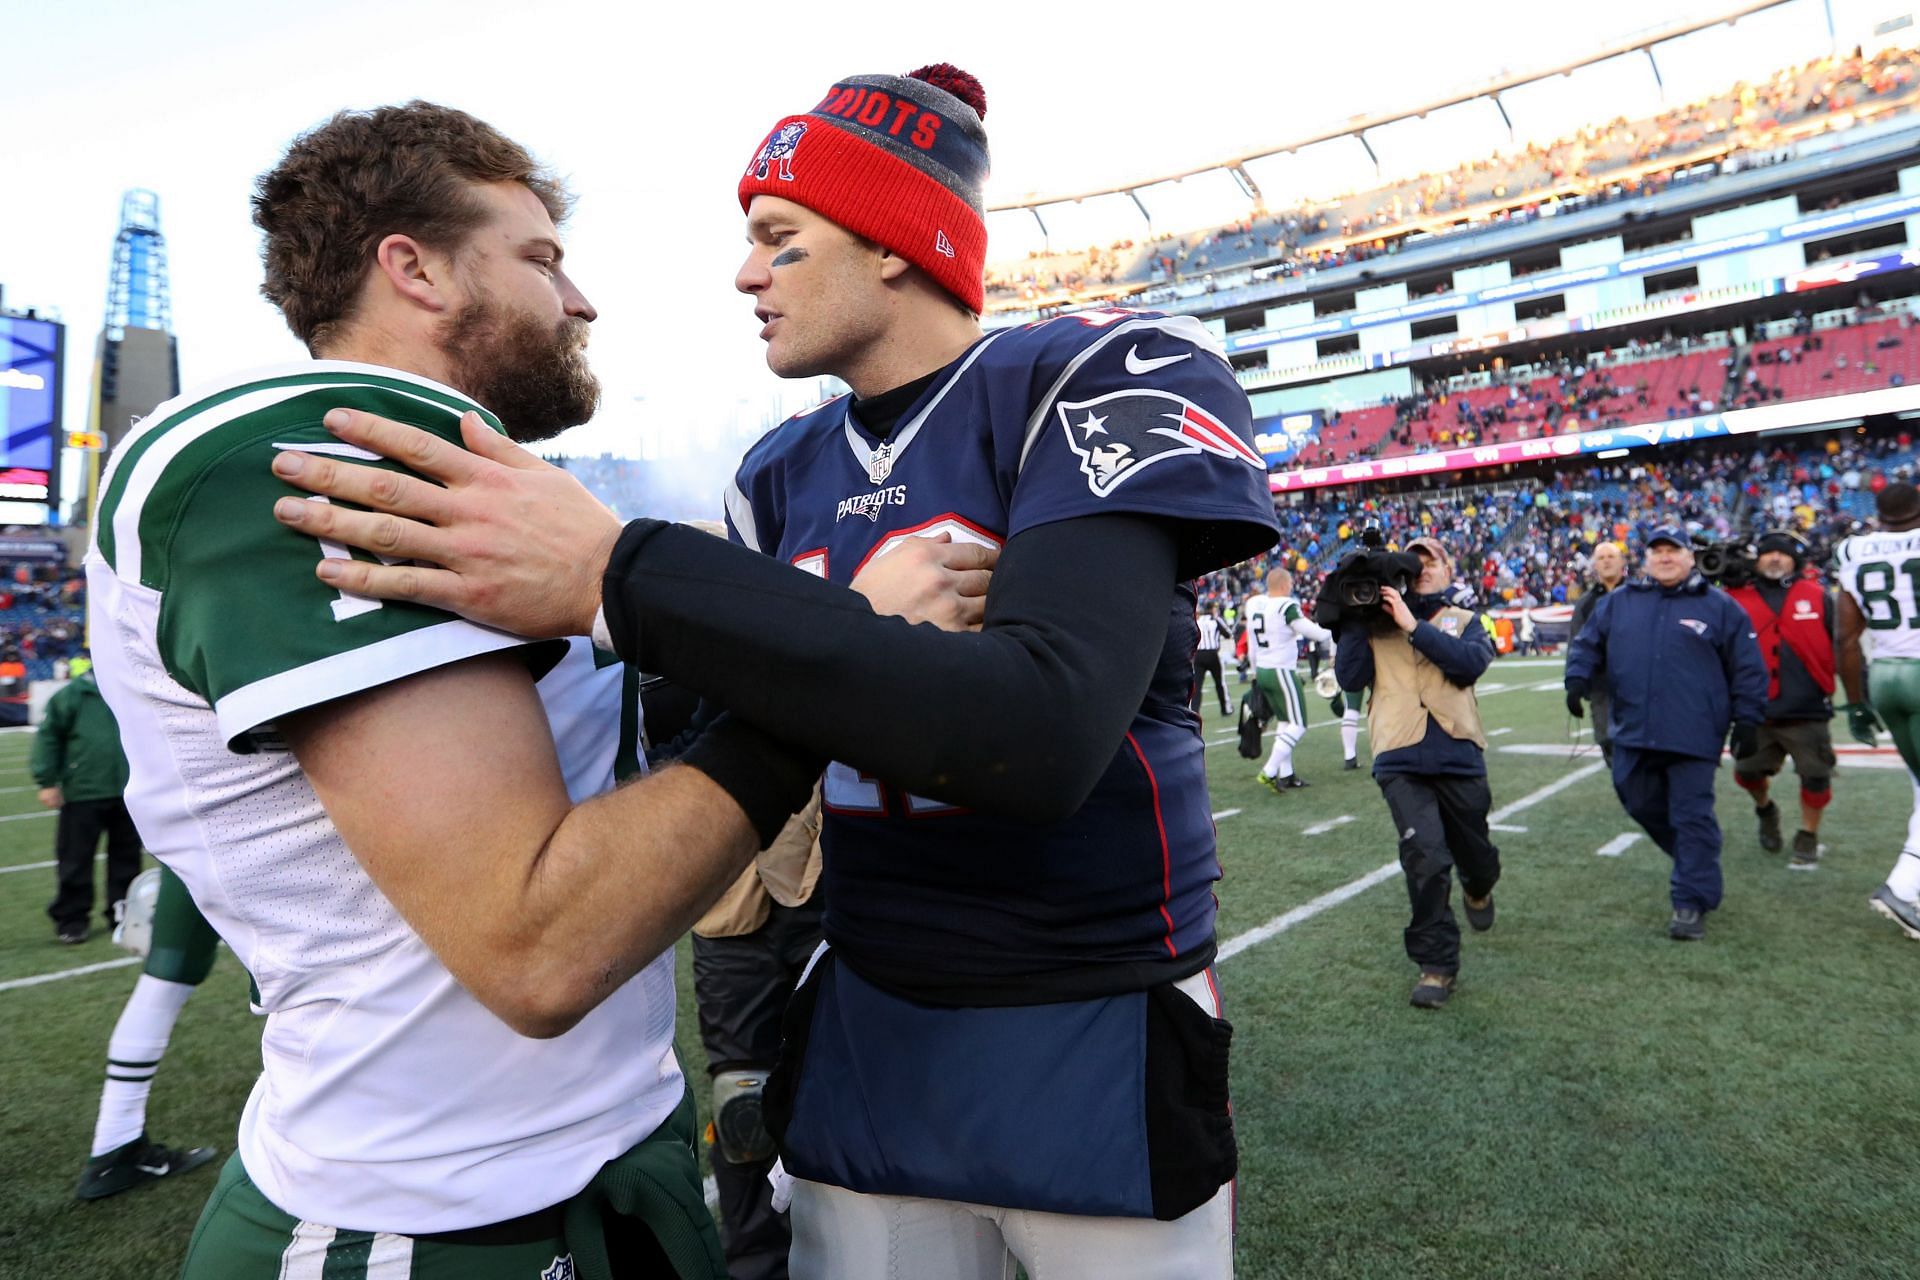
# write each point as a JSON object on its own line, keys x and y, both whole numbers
{"x": 1461, "y": 659}
{"x": 1853, "y": 670}
{"x": 577, "y": 920}
{"x": 1019, "y": 719}
{"x": 538, "y": 907}
{"x": 1311, "y": 631}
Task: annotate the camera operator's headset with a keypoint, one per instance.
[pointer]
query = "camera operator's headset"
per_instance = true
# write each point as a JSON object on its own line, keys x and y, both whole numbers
{"x": 1785, "y": 540}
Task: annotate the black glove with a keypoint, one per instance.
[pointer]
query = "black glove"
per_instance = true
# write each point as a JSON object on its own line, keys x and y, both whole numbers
{"x": 1577, "y": 689}
{"x": 1745, "y": 739}
{"x": 1863, "y": 723}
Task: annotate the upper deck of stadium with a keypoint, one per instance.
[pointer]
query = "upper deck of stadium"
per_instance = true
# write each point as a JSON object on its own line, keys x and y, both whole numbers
{"x": 1277, "y": 249}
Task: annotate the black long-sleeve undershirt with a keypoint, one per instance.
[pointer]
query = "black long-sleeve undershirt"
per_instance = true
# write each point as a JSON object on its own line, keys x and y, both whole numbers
{"x": 1018, "y": 720}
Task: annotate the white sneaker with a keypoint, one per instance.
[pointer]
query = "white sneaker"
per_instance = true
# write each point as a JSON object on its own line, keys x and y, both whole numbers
{"x": 1902, "y": 911}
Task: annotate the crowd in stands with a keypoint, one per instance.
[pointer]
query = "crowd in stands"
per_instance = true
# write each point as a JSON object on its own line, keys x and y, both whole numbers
{"x": 1528, "y": 543}
{"x": 42, "y": 619}
{"x": 1633, "y": 383}
{"x": 1742, "y": 127}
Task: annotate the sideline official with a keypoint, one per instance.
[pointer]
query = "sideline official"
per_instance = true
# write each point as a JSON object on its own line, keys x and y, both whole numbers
{"x": 1429, "y": 756}
{"x": 1206, "y": 659}
{"x": 81, "y": 771}
{"x": 1683, "y": 665}
{"x": 1793, "y": 618}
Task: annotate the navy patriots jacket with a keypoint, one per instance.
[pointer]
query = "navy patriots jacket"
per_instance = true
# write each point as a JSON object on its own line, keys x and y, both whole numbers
{"x": 1682, "y": 661}
{"x": 1087, "y": 415}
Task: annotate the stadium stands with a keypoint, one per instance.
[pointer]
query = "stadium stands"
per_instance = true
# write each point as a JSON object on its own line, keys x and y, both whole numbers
{"x": 1588, "y": 390}
{"x": 1527, "y": 541}
{"x": 1741, "y": 127}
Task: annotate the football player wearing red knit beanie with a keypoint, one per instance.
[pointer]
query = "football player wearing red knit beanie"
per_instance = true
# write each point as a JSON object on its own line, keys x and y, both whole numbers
{"x": 897, "y": 160}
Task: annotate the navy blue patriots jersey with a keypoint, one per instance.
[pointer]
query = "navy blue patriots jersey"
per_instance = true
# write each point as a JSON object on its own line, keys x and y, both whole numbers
{"x": 1090, "y": 414}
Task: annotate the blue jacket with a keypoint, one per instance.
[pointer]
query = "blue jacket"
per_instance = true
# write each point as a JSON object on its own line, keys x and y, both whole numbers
{"x": 1461, "y": 660}
{"x": 1682, "y": 662}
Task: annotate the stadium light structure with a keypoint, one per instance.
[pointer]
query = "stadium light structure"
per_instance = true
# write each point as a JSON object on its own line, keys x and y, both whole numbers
{"x": 1358, "y": 127}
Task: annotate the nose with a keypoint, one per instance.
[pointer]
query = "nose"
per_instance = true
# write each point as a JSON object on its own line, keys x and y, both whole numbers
{"x": 753, "y": 275}
{"x": 577, "y": 305}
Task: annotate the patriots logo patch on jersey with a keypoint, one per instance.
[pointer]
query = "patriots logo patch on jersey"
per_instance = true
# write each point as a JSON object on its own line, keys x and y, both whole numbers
{"x": 1120, "y": 434}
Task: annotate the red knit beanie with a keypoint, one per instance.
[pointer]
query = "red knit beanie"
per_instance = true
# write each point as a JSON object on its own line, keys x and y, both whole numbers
{"x": 899, "y": 160}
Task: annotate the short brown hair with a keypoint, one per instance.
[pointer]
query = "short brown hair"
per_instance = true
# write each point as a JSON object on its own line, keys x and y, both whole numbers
{"x": 364, "y": 175}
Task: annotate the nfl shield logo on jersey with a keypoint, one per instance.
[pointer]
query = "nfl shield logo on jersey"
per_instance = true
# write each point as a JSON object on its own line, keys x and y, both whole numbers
{"x": 1120, "y": 434}
{"x": 562, "y": 1269}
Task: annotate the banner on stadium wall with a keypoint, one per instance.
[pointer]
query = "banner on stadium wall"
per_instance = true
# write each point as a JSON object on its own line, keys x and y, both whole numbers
{"x": 1827, "y": 274}
{"x": 1613, "y": 440}
{"x": 1281, "y": 437}
{"x": 1550, "y": 282}
{"x": 1471, "y": 457}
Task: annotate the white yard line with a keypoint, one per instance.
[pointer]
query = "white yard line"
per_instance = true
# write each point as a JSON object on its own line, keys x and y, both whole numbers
{"x": 1225, "y": 813}
{"x": 1321, "y": 828}
{"x": 1502, "y": 826}
{"x": 27, "y": 866}
{"x": 18, "y": 817}
{"x": 1553, "y": 788}
{"x": 1307, "y": 911}
{"x": 1618, "y": 845}
{"x": 1494, "y": 733}
{"x": 39, "y": 978}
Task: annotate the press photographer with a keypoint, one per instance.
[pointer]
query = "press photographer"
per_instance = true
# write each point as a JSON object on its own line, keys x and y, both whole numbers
{"x": 1422, "y": 656}
{"x": 1793, "y": 619}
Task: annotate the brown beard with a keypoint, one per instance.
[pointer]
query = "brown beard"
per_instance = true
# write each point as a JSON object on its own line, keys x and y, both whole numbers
{"x": 534, "y": 379}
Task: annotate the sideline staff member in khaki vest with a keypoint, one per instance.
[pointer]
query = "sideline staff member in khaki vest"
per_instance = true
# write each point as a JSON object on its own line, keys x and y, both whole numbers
{"x": 1422, "y": 657}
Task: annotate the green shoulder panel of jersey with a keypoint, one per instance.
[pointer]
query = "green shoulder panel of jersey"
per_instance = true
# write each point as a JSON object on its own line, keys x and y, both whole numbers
{"x": 239, "y": 602}
{"x": 1290, "y": 611}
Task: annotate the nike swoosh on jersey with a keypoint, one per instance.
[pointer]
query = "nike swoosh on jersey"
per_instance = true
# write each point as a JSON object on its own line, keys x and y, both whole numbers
{"x": 1136, "y": 366}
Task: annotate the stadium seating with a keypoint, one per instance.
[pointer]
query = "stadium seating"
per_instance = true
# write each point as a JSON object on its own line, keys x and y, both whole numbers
{"x": 1605, "y": 161}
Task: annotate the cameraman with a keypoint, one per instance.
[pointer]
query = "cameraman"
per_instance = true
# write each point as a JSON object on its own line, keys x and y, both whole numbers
{"x": 1422, "y": 656}
{"x": 1793, "y": 618}
{"x": 1609, "y": 571}
{"x": 1682, "y": 663}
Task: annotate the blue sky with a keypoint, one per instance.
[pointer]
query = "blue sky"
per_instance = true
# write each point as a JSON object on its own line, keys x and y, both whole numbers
{"x": 652, "y": 112}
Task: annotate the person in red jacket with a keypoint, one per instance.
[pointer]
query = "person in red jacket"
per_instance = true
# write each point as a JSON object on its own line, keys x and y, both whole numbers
{"x": 1793, "y": 617}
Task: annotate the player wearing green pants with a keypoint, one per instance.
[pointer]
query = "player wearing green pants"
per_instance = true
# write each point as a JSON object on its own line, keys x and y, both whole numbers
{"x": 1276, "y": 625}
{"x": 161, "y": 922}
{"x": 1878, "y": 575}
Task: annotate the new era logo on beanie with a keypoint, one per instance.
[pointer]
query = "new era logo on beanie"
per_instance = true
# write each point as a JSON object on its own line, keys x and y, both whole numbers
{"x": 899, "y": 160}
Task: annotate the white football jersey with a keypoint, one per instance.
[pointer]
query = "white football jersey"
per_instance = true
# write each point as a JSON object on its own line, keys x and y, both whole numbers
{"x": 1881, "y": 571}
{"x": 390, "y": 1100}
{"x": 1275, "y": 625}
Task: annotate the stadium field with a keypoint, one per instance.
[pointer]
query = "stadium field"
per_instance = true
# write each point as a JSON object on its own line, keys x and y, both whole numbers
{"x": 1596, "y": 1101}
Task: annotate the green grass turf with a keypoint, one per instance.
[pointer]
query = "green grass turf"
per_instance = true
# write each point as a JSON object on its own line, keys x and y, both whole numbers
{"x": 1595, "y": 1101}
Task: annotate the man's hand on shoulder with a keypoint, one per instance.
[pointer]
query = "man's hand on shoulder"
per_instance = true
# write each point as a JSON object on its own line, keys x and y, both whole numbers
{"x": 931, "y": 579}
{"x": 491, "y": 532}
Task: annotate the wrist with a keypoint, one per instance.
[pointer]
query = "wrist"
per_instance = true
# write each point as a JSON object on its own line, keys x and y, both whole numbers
{"x": 589, "y": 614}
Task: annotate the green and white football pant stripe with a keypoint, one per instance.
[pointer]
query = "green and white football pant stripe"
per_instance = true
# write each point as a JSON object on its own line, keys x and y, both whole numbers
{"x": 243, "y": 1236}
{"x": 1894, "y": 686}
{"x": 1283, "y": 693}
